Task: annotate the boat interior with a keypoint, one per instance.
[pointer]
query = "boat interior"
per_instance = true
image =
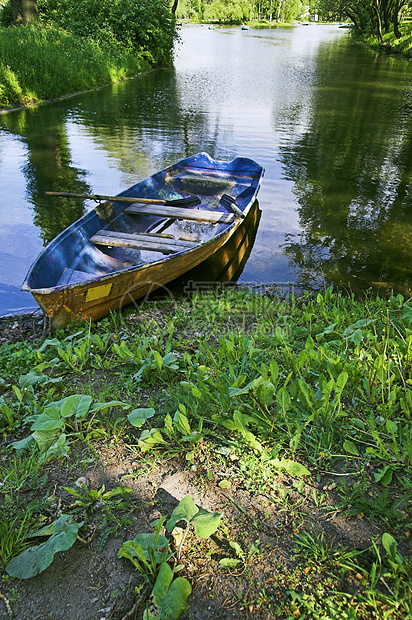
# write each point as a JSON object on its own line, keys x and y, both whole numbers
{"x": 137, "y": 234}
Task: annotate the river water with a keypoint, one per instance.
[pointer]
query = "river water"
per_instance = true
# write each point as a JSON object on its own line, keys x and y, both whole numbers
{"x": 330, "y": 120}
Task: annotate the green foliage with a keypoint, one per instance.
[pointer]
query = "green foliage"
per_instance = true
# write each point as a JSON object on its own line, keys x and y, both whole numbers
{"x": 88, "y": 498}
{"x": 80, "y": 45}
{"x": 142, "y": 26}
{"x": 34, "y": 560}
{"x": 16, "y": 358}
{"x": 42, "y": 62}
{"x": 150, "y": 554}
{"x": 58, "y": 422}
{"x": 169, "y": 596}
{"x": 204, "y": 522}
{"x": 238, "y": 11}
{"x": 287, "y": 393}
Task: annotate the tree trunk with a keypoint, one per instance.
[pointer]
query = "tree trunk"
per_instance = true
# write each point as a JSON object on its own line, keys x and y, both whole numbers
{"x": 376, "y": 7}
{"x": 24, "y": 11}
{"x": 174, "y": 7}
{"x": 397, "y": 8}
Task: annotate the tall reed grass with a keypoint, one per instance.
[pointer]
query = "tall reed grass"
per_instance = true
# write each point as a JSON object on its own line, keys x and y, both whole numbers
{"x": 43, "y": 62}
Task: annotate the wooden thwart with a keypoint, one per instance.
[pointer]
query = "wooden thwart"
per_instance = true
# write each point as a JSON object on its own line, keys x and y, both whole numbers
{"x": 195, "y": 215}
{"x": 141, "y": 241}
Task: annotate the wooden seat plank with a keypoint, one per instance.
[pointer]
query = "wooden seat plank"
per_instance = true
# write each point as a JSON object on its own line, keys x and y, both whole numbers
{"x": 196, "y": 215}
{"x": 139, "y": 241}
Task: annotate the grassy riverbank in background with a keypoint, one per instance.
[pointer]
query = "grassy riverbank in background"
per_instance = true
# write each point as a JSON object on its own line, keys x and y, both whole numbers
{"x": 391, "y": 44}
{"x": 43, "y": 62}
{"x": 292, "y": 416}
{"x": 80, "y": 45}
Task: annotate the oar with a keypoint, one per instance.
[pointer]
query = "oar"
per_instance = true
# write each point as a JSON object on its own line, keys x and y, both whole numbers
{"x": 230, "y": 204}
{"x": 180, "y": 202}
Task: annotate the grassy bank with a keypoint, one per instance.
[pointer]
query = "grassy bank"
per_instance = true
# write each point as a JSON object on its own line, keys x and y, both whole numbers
{"x": 391, "y": 44}
{"x": 81, "y": 44}
{"x": 291, "y": 417}
{"x": 43, "y": 62}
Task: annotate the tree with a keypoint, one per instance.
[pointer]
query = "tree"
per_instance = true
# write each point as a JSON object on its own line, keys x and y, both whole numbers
{"x": 369, "y": 16}
{"x": 24, "y": 11}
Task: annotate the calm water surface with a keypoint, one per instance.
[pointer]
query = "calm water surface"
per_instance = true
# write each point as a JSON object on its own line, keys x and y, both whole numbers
{"x": 329, "y": 120}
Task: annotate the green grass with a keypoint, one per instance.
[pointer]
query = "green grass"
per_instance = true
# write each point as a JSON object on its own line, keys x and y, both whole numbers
{"x": 282, "y": 394}
{"x": 43, "y": 62}
{"x": 402, "y": 46}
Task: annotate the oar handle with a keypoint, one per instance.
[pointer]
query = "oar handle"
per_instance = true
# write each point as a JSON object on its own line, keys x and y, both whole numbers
{"x": 150, "y": 201}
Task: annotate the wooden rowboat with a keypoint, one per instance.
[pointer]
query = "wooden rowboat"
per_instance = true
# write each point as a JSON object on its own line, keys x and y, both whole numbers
{"x": 147, "y": 236}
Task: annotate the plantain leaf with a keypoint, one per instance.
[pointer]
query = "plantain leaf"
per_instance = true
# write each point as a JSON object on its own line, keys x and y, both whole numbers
{"x": 138, "y": 417}
{"x": 76, "y": 405}
{"x": 175, "y": 602}
{"x": 185, "y": 510}
{"x": 35, "y": 560}
{"x": 206, "y": 523}
{"x": 350, "y": 447}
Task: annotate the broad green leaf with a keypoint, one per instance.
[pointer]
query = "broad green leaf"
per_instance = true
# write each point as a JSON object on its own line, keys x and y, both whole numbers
{"x": 341, "y": 381}
{"x": 206, "y": 523}
{"x": 23, "y": 444}
{"x": 240, "y": 420}
{"x": 158, "y": 360}
{"x": 389, "y": 544}
{"x": 175, "y": 603}
{"x": 138, "y": 417}
{"x": 150, "y": 438}
{"x": 252, "y": 441}
{"x": 162, "y": 584}
{"x": 117, "y": 491}
{"x": 274, "y": 371}
{"x": 326, "y": 332}
{"x": 356, "y": 337}
{"x": 35, "y": 560}
{"x": 306, "y": 395}
{"x": 131, "y": 548}
{"x": 31, "y": 379}
{"x": 350, "y": 447}
{"x": 361, "y": 323}
{"x": 44, "y": 438}
{"x": 58, "y": 449}
{"x": 76, "y": 405}
{"x": 49, "y": 420}
{"x": 294, "y": 468}
{"x": 384, "y": 476}
{"x": 263, "y": 390}
{"x": 186, "y": 510}
{"x": 54, "y": 342}
{"x": 283, "y": 401}
{"x": 391, "y": 427}
{"x": 147, "y": 541}
{"x": 407, "y": 315}
{"x": 196, "y": 392}
{"x": 229, "y": 424}
{"x": 170, "y": 360}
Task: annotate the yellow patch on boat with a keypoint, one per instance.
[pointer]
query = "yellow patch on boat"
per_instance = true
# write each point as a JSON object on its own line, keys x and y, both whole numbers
{"x": 98, "y": 292}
